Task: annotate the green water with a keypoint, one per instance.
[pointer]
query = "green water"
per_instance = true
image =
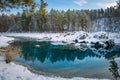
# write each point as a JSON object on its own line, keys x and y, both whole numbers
{"x": 68, "y": 61}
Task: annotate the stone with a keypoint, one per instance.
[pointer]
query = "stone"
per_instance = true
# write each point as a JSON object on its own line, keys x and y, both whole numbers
{"x": 76, "y": 41}
{"x": 109, "y": 43}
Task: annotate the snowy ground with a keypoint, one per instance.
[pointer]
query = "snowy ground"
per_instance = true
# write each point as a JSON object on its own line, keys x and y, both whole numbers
{"x": 69, "y": 37}
{"x": 17, "y": 72}
{"x": 4, "y": 41}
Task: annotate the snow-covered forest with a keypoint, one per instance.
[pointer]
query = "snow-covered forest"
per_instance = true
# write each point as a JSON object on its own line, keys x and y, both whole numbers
{"x": 59, "y": 21}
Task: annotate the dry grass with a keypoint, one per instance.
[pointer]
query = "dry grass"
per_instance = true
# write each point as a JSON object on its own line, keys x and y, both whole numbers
{"x": 10, "y": 53}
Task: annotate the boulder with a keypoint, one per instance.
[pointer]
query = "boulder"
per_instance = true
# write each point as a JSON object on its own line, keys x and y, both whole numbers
{"x": 83, "y": 36}
{"x": 76, "y": 41}
{"x": 97, "y": 45}
{"x": 102, "y": 36}
{"x": 109, "y": 43}
{"x": 84, "y": 42}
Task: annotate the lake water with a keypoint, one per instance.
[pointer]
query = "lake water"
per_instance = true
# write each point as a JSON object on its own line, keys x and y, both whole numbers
{"x": 68, "y": 61}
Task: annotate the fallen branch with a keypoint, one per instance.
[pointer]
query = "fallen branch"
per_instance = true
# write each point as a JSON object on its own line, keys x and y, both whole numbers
{"x": 2, "y": 50}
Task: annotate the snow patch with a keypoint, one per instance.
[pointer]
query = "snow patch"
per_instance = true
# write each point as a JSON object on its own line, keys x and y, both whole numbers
{"x": 4, "y": 41}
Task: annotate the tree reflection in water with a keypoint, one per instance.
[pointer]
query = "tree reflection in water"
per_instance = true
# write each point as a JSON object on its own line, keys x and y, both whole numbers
{"x": 114, "y": 69}
{"x": 60, "y": 52}
{"x": 56, "y": 53}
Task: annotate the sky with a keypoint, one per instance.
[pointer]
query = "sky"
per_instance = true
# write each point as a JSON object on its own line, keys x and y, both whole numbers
{"x": 79, "y": 4}
{"x": 75, "y": 4}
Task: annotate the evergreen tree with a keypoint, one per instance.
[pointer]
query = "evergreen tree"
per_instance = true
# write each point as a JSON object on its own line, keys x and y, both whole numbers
{"x": 42, "y": 16}
{"x": 84, "y": 21}
{"x": 25, "y": 26}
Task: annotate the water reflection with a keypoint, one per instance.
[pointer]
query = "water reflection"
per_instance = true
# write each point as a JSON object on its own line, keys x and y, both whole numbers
{"x": 114, "y": 69}
{"x": 61, "y": 53}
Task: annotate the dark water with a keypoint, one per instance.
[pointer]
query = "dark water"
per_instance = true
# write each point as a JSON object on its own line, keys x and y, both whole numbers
{"x": 68, "y": 61}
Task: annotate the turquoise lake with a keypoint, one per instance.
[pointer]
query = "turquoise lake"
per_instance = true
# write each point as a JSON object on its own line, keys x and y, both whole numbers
{"x": 68, "y": 61}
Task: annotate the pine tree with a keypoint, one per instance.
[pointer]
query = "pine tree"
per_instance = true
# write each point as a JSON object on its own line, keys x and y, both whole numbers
{"x": 24, "y": 21}
{"x": 42, "y": 10}
{"x": 42, "y": 16}
{"x": 84, "y": 21}
{"x": 10, "y": 4}
{"x": 68, "y": 19}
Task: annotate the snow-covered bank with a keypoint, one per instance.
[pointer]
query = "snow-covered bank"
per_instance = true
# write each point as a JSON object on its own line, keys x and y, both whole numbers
{"x": 70, "y": 37}
{"x": 4, "y": 41}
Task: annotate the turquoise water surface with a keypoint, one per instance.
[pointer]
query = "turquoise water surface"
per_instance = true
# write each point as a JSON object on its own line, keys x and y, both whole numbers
{"x": 69, "y": 61}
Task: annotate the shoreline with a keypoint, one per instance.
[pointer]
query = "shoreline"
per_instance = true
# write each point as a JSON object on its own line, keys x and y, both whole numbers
{"x": 22, "y": 71}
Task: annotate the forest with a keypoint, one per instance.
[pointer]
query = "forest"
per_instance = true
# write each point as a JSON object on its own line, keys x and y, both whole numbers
{"x": 60, "y": 21}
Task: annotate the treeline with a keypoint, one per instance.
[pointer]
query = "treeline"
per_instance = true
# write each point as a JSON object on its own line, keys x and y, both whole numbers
{"x": 55, "y": 20}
